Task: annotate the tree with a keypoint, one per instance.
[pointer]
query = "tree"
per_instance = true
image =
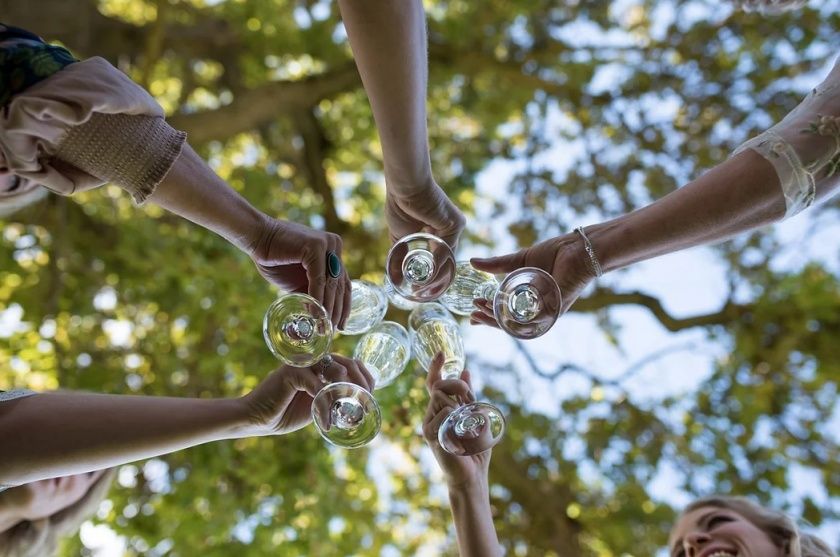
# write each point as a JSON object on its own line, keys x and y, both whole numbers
{"x": 646, "y": 94}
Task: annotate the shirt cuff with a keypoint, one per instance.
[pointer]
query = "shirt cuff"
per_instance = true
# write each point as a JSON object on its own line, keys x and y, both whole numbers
{"x": 134, "y": 152}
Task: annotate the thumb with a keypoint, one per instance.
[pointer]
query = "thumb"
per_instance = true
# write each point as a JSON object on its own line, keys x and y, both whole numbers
{"x": 500, "y": 264}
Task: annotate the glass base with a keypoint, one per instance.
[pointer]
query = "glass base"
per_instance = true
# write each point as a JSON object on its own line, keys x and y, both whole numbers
{"x": 297, "y": 330}
{"x": 472, "y": 429}
{"x": 527, "y": 303}
{"x": 420, "y": 267}
{"x": 346, "y": 415}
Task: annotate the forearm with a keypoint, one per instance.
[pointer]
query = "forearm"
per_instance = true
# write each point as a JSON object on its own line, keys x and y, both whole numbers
{"x": 474, "y": 521}
{"x": 388, "y": 38}
{"x": 58, "y": 434}
{"x": 192, "y": 190}
{"x": 736, "y": 196}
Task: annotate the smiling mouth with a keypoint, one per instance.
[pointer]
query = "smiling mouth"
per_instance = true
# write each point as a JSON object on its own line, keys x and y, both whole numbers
{"x": 723, "y": 553}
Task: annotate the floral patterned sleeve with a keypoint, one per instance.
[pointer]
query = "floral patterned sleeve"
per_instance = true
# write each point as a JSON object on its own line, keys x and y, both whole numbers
{"x": 804, "y": 148}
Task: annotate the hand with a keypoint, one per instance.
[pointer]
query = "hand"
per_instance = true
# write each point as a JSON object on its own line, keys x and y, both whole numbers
{"x": 428, "y": 210}
{"x": 461, "y": 471}
{"x": 563, "y": 257}
{"x": 294, "y": 257}
{"x": 282, "y": 403}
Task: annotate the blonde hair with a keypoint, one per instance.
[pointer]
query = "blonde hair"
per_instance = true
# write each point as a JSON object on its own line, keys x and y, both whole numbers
{"x": 779, "y": 527}
{"x": 40, "y": 538}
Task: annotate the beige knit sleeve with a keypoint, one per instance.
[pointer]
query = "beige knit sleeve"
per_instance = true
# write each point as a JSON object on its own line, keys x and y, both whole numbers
{"x": 84, "y": 126}
{"x": 133, "y": 152}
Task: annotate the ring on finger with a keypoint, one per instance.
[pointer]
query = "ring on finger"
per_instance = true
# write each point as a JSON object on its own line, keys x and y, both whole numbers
{"x": 333, "y": 264}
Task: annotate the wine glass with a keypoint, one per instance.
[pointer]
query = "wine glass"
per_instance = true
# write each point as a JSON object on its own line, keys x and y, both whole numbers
{"x": 468, "y": 285}
{"x": 299, "y": 333}
{"x": 397, "y": 300}
{"x": 525, "y": 304}
{"x": 471, "y": 428}
{"x": 368, "y": 306}
{"x": 420, "y": 266}
{"x": 385, "y": 350}
{"x": 433, "y": 329}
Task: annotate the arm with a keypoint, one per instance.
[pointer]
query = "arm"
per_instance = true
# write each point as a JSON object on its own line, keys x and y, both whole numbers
{"x": 473, "y": 520}
{"x": 64, "y": 433}
{"x": 289, "y": 255}
{"x": 388, "y": 38}
{"x": 774, "y": 175}
{"x": 739, "y": 195}
{"x": 466, "y": 476}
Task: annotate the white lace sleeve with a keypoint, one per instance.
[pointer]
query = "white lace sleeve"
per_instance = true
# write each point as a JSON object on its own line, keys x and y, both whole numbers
{"x": 804, "y": 147}
{"x": 11, "y": 395}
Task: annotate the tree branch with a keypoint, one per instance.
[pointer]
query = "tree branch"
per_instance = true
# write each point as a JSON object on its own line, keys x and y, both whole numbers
{"x": 315, "y": 145}
{"x": 603, "y": 298}
{"x": 255, "y": 107}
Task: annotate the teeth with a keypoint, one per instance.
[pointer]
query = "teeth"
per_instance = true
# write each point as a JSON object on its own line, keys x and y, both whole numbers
{"x": 722, "y": 554}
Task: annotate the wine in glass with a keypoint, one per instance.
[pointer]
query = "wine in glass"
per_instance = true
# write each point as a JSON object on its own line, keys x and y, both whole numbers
{"x": 420, "y": 266}
{"x": 299, "y": 333}
{"x": 433, "y": 329}
{"x": 525, "y": 304}
{"x": 471, "y": 428}
{"x": 385, "y": 350}
{"x": 468, "y": 285}
{"x": 368, "y": 306}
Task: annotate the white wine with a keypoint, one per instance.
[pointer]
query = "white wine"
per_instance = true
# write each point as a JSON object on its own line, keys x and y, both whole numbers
{"x": 440, "y": 335}
{"x": 368, "y": 306}
{"x": 469, "y": 284}
{"x": 384, "y": 356}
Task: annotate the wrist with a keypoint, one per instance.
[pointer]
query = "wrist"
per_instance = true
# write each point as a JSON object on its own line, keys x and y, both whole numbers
{"x": 239, "y": 422}
{"x": 609, "y": 253}
{"x": 405, "y": 185}
{"x": 263, "y": 233}
{"x": 469, "y": 488}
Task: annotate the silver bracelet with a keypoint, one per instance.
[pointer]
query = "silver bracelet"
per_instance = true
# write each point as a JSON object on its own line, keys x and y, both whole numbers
{"x": 587, "y": 245}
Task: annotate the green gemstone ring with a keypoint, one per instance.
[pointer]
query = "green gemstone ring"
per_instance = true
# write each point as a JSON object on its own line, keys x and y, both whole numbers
{"x": 333, "y": 264}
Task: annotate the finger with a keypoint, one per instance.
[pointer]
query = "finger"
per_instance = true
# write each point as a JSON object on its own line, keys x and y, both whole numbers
{"x": 302, "y": 379}
{"x": 452, "y": 233}
{"x": 315, "y": 263}
{"x": 337, "y": 285}
{"x": 347, "y": 299}
{"x": 332, "y": 283}
{"x": 500, "y": 264}
{"x": 437, "y": 421}
{"x": 440, "y": 401}
{"x": 432, "y": 424}
{"x": 353, "y": 373}
{"x": 369, "y": 378}
{"x": 479, "y": 318}
{"x": 453, "y": 388}
{"x": 434, "y": 371}
{"x": 337, "y": 370}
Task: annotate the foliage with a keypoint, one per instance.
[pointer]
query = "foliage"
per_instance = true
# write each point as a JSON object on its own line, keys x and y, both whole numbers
{"x": 646, "y": 94}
